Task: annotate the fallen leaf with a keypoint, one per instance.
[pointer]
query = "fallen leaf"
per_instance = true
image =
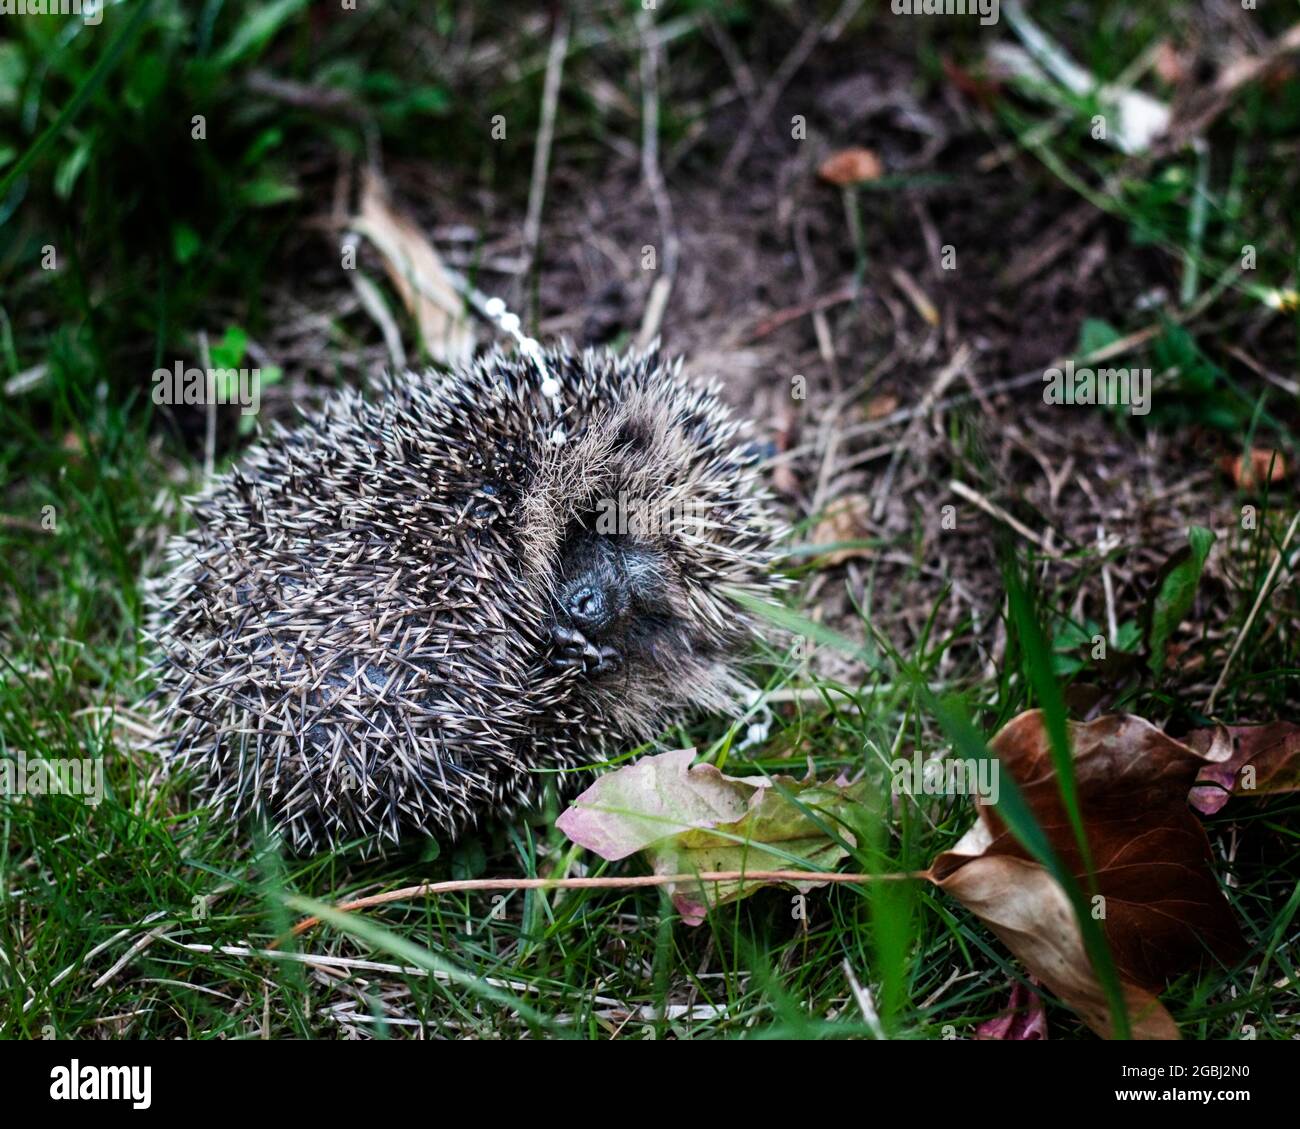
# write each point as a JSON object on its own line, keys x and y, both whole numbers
{"x": 1257, "y": 466}
{"x": 1162, "y": 904}
{"x": 845, "y": 521}
{"x": 880, "y": 406}
{"x": 1024, "y": 1020}
{"x": 697, "y": 820}
{"x": 627, "y": 810}
{"x": 1261, "y": 760}
{"x": 1030, "y": 913}
{"x": 417, "y": 272}
{"x": 778, "y": 833}
{"x": 849, "y": 167}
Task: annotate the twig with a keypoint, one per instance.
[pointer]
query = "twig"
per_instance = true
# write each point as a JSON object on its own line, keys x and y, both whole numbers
{"x": 1254, "y": 611}
{"x": 808, "y": 268}
{"x": 372, "y": 301}
{"x": 1034, "y": 376}
{"x": 1108, "y": 586}
{"x": 784, "y": 73}
{"x": 1059, "y": 238}
{"x": 650, "y": 170}
{"x": 944, "y": 377}
{"x": 731, "y": 55}
{"x": 59, "y": 977}
{"x": 360, "y": 964}
{"x": 913, "y": 293}
{"x": 303, "y": 96}
{"x": 1200, "y": 111}
{"x": 632, "y": 882}
{"x": 545, "y": 137}
{"x": 997, "y": 512}
{"x": 865, "y": 1003}
{"x": 140, "y": 945}
{"x": 1290, "y": 387}
{"x": 778, "y": 318}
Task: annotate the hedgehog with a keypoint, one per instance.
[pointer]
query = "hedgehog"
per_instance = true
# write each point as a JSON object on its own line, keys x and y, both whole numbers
{"x": 409, "y": 613}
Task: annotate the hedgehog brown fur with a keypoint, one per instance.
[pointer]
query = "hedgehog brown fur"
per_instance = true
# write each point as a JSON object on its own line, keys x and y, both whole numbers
{"x": 406, "y": 613}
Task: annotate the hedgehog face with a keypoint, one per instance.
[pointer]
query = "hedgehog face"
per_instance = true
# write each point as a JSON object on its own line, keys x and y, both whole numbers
{"x": 654, "y": 513}
{"x": 613, "y": 606}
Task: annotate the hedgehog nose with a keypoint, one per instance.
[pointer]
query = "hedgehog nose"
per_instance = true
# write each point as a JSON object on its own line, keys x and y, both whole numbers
{"x": 588, "y": 607}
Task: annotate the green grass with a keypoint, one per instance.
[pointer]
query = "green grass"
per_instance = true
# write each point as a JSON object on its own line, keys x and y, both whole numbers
{"x": 152, "y": 231}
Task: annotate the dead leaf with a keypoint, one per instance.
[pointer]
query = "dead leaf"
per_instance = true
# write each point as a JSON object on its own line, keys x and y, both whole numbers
{"x": 845, "y": 520}
{"x": 698, "y": 820}
{"x": 1257, "y": 466}
{"x": 1030, "y": 913}
{"x": 777, "y": 833}
{"x": 628, "y": 809}
{"x": 1261, "y": 760}
{"x": 880, "y": 406}
{"x": 849, "y": 167}
{"x": 1162, "y": 904}
{"x": 1024, "y": 1020}
{"x": 417, "y": 272}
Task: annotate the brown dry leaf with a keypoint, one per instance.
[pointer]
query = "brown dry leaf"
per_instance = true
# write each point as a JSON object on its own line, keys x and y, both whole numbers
{"x": 1163, "y": 905}
{"x": 851, "y": 166}
{"x": 417, "y": 272}
{"x": 846, "y": 519}
{"x": 880, "y": 406}
{"x": 1031, "y": 915}
{"x": 1260, "y": 760}
{"x": 1260, "y": 465}
{"x": 1024, "y": 1020}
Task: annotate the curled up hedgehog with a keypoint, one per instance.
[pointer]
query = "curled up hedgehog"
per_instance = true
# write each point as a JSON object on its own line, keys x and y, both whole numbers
{"x": 404, "y": 615}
